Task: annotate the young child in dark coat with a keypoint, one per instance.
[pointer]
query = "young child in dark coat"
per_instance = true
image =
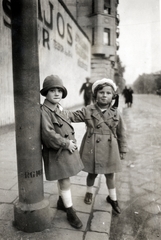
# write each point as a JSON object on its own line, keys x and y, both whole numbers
{"x": 60, "y": 154}
{"x": 104, "y": 142}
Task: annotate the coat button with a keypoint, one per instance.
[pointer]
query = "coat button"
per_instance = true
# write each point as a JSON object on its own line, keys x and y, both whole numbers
{"x": 98, "y": 140}
{"x": 98, "y": 126}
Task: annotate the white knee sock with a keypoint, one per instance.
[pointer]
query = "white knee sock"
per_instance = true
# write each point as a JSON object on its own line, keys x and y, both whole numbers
{"x": 67, "y": 198}
{"x": 90, "y": 189}
{"x": 112, "y": 193}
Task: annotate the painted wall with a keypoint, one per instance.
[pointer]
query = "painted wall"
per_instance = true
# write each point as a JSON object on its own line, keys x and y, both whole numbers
{"x": 6, "y": 83}
{"x": 64, "y": 50}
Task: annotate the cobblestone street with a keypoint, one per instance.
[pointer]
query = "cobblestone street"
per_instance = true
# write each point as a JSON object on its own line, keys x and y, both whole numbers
{"x": 138, "y": 185}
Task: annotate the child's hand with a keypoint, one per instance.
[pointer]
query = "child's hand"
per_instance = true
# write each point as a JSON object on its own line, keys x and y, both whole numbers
{"x": 72, "y": 146}
{"x": 122, "y": 155}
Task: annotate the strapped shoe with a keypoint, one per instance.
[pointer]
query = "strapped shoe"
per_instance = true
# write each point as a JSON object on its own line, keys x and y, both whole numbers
{"x": 114, "y": 205}
{"x": 73, "y": 218}
{"x": 88, "y": 198}
{"x": 60, "y": 204}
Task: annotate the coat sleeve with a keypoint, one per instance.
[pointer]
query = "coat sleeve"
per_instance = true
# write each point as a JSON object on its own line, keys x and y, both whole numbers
{"x": 77, "y": 116}
{"x": 50, "y": 138}
{"x": 121, "y": 135}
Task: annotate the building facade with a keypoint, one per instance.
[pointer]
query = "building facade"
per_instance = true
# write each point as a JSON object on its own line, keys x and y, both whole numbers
{"x": 77, "y": 39}
{"x": 64, "y": 50}
{"x": 100, "y": 20}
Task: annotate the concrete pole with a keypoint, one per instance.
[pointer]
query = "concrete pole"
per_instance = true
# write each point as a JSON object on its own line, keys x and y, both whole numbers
{"x": 31, "y": 212}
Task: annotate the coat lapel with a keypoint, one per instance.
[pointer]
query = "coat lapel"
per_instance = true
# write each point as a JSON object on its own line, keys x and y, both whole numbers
{"x": 61, "y": 116}
{"x": 96, "y": 114}
{"x": 102, "y": 117}
{"x": 57, "y": 112}
{"x": 108, "y": 114}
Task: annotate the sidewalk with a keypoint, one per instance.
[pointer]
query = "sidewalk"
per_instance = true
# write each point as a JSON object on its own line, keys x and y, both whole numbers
{"x": 96, "y": 218}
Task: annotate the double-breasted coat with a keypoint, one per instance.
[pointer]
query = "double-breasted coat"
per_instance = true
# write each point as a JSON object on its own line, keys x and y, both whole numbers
{"x": 103, "y": 141}
{"x": 56, "y": 132}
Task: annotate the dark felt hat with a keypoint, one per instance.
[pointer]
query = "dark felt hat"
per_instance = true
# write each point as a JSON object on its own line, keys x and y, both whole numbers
{"x": 53, "y": 81}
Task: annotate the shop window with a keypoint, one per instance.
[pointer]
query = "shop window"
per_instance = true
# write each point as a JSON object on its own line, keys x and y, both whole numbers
{"x": 106, "y": 36}
{"x": 107, "y": 6}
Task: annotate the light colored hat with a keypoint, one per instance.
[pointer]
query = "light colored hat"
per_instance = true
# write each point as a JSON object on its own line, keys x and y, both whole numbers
{"x": 51, "y": 82}
{"x": 110, "y": 82}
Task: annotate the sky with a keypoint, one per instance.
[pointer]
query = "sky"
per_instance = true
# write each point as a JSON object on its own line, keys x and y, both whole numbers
{"x": 140, "y": 37}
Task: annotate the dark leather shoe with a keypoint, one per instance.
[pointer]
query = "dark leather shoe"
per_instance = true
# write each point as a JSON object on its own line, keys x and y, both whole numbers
{"x": 60, "y": 205}
{"x": 114, "y": 205}
{"x": 88, "y": 198}
{"x": 73, "y": 218}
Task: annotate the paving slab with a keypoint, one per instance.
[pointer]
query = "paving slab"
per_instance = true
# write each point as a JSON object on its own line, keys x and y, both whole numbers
{"x": 101, "y": 222}
{"x": 96, "y": 236}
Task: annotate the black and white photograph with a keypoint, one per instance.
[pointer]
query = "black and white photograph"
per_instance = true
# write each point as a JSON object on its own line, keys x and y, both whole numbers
{"x": 80, "y": 120}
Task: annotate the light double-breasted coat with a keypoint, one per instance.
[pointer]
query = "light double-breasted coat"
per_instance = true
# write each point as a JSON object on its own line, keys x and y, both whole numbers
{"x": 56, "y": 132}
{"x": 103, "y": 141}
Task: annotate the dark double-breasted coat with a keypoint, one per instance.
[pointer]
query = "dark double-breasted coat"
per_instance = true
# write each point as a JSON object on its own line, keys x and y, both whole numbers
{"x": 56, "y": 132}
{"x": 103, "y": 141}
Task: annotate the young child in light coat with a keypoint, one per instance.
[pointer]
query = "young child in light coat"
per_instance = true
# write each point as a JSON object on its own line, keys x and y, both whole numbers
{"x": 104, "y": 143}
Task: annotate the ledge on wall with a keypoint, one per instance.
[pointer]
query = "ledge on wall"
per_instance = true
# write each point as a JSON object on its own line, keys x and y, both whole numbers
{"x": 107, "y": 51}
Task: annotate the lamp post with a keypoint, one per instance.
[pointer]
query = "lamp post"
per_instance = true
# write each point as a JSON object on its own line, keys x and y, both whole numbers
{"x": 31, "y": 212}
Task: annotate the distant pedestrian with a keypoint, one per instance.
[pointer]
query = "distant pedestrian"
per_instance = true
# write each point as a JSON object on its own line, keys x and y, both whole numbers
{"x": 128, "y": 95}
{"x": 104, "y": 143}
{"x": 87, "y": 88}
{"x": 60, "y": 154}
{"x": 125, "y": 94}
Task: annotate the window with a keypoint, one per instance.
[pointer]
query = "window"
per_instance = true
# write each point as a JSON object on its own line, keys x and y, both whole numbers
{"x": 93, "y": 6}
{"x": 107, "y": 6}
{"x": 92, "y": 36}
{"x": 106, "y": 36}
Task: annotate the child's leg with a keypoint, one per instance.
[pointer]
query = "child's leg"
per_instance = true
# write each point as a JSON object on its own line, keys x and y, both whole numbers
{"x": 65, "y": 192}
{"x": 110, "y": 182}
{"x": 60, "y": 203}
{"x": 89, "y": 193}
{"x": 112, "y": 198}
{"x": 66, "y": 196}
{"x": 90, "y": 181}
